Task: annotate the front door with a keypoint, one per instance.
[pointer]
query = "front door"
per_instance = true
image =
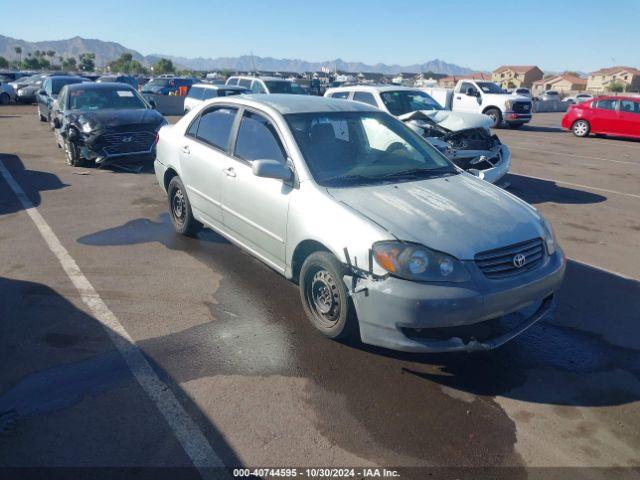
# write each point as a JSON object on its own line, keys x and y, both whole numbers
{"x": 254, "y": 209}
{"x": 605, "y": 116}
{"x": 630, "y": 117}
{"x": 463, "y": 102}
{"x": 203, "y": 155}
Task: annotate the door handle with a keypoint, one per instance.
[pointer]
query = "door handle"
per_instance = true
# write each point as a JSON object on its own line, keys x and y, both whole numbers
{"x": 229, "y": 172}
{"x": 458, "y": 98}
{"x": 185, "y": 150}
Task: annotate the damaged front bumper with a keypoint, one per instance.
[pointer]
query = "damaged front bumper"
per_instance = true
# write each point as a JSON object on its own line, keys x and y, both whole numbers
{"x": 488, "y": 165}
{"x": 111, "y": 148}
{"x": 477, "y": 315}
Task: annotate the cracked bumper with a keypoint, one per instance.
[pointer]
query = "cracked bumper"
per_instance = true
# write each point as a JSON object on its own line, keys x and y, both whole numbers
{"x": 388, "y": 308}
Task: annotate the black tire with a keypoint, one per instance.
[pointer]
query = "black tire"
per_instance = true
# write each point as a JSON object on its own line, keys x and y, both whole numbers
{"x": 72, "y": 154}
{"x": 496, "y": 116}
{"x": 581, "y": 128}
{"x": 42, "y": 117}
{"x": 5, "y": 99}
{"x": 180, "y": 209}
{"x": 325, "y": 298}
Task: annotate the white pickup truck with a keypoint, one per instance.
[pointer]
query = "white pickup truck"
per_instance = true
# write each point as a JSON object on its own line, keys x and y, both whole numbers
{"x": 484, "y": 97}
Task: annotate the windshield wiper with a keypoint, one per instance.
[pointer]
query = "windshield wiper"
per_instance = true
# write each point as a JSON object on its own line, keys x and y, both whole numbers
{"x": 352, "y": 179}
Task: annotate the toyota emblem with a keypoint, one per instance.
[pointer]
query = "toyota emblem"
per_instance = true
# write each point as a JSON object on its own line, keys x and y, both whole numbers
{"x": 519, "y": 260}
{"x": 127, "y": 139}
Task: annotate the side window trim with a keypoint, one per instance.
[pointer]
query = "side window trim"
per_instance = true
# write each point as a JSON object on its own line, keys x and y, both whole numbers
{"x": 195, "y": 137}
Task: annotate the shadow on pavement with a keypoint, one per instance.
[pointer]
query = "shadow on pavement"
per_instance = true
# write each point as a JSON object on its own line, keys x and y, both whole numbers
{"x": 37, "y": 182}
{"x": 533, "y": 190}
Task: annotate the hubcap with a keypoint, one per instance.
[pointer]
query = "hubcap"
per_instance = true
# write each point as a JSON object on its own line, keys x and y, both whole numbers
{"x": 178, "y": 206}
{"x": 323, "y": 298}
{"x": 580, "y": 128}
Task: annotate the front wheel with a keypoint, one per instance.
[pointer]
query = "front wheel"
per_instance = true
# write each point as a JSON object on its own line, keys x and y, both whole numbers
{"x": 324, "y": 296}
{"x": 72, "y": 154}
{"x": 180, "y": 209}
{"x": 496, "y": 117}
{"x": 4, "y": 98}
{"x": 580, "y": 128}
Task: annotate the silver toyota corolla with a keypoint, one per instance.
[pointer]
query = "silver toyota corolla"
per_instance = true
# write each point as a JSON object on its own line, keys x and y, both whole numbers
{"x": 385, "y": 236}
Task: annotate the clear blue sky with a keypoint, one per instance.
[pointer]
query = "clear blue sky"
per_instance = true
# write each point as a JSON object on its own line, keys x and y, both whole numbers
{"x": 554, "y": 34}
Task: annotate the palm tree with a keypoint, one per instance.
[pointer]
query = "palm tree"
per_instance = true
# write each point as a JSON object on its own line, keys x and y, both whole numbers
{"x": 18, "y": 51}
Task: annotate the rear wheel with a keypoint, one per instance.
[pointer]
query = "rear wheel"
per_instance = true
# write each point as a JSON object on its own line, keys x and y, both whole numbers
{"x": 4, "y": 98}
{"x": 580, "y": 128}
{"x": 324, "y": 296}
{"x": 496, "y": 117}
{"x": 180, "y": 209}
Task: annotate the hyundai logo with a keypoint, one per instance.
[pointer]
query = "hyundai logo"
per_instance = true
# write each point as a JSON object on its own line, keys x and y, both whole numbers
{"x": 519, "y": 260}
{"x": 127, "y": 139}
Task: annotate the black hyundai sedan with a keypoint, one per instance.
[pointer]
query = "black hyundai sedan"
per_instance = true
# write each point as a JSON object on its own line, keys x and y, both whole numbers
{"x": 105, "y": 123}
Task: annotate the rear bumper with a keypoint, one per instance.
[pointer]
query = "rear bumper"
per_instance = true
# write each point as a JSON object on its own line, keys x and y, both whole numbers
{"x": 420, "y": 317}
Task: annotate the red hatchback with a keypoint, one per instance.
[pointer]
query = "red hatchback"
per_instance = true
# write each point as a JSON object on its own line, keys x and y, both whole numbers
{"x": 619, "y": 116}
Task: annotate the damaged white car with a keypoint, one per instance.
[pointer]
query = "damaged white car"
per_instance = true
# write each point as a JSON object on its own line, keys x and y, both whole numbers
{"x": 464, "y": 137}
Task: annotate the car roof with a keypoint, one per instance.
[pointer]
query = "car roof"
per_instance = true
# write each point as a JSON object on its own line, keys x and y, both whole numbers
{"x": 213, "y": 86}
{"x": 375, "y": 88}
{"x": 616, "y": 97}
{"x": 261, "y": 78}
{"x": 67, "y": 77}
{"x": 289, "y": 103}
{"x": 98, "y": 86}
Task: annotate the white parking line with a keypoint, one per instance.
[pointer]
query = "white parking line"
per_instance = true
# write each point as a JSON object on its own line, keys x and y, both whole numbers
{"x": 588, "y": 187}
{"x": 185, "y": 429}
{"x": 606, "y": 142}
{"x": 600, "y": 159}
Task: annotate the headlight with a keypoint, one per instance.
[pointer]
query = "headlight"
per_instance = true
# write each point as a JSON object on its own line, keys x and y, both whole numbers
{"x": 415, "y": 262}
{"x": 549, "y": 237}
{"x": 87, "y": 127}
{"x": 508, "y": 104}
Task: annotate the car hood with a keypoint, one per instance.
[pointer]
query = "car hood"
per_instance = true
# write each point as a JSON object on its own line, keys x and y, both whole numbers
{"x": 114, "y": 118}
{"x": 460, "y": 215}
{"x": 453, "y": 121}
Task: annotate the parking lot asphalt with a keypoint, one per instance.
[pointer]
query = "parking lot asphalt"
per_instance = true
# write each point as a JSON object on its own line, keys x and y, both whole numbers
{"x": 227, "y": 337}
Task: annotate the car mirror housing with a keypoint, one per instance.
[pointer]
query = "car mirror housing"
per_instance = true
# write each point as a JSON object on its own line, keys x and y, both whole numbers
{"x": 271, "y": 169}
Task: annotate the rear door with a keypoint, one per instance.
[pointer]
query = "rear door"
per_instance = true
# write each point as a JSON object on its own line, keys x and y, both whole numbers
{"x": 254, "y": 209}
{"x": 463, "y": 102}
{"x": 629, "y": 115}
{"x": 605, "y": 118}
{"x": 203, "y": 153}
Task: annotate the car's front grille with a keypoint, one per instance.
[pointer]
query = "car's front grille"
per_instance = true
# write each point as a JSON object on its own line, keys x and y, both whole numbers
{"x": 511, "y": 260}
{"x": 522, "y": 107}
{"x": 128, "y": 142}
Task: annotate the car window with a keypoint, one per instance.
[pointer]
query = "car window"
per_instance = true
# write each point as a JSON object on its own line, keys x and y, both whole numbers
{"x": 209, "y": 93}
{"x": 214, "y": 126}
{"x": 244, "y": 82}
{"x": 365, "y": 97}
{"x": 464, "y": 86}
{"x": 195, "y": 92}
{"x": 256, "y": 87}
{"x": 232, "y": 81}
{"x": 47, "y": 86}
{"x": 629, "y": 106}
{"x": 607, "y": 104}
{"x": 258, "y": 139}
{"x": 340, "y": 95}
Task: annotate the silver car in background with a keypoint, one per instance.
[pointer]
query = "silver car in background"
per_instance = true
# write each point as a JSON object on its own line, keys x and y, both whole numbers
{"x": 384, "y": 235}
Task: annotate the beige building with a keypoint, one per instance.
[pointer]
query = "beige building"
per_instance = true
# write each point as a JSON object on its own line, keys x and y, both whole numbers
{"x": 563, "y": 83}
{"x": 450, "y": 81}
{"x": 516, "y": 76}
{"x": 601, "y": 80}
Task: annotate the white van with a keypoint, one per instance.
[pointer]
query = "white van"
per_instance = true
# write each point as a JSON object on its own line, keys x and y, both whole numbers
{"x": 201, "y": 92}
{"x": 262, "y": 84}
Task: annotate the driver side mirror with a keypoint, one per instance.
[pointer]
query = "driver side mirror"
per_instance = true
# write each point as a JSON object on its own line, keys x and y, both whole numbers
{"x": 56, "y": 122}
{"x": 43, "y": 93}
{"x": 271, "y": 169}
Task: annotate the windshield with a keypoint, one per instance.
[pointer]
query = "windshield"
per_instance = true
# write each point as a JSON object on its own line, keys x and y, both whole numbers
{"x": 103, "y": 98}
{"x": 58, "y": 83}
{"x": 159, "y": 82}
{"x": 278, "y": 86}
{"x": 405, "y": 101}
{"x": 490, "y": 87}
{"x": 358, "y": 148}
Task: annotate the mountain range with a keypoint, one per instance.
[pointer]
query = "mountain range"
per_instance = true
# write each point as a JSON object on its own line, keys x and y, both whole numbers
{"x": 107, "y": 51}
